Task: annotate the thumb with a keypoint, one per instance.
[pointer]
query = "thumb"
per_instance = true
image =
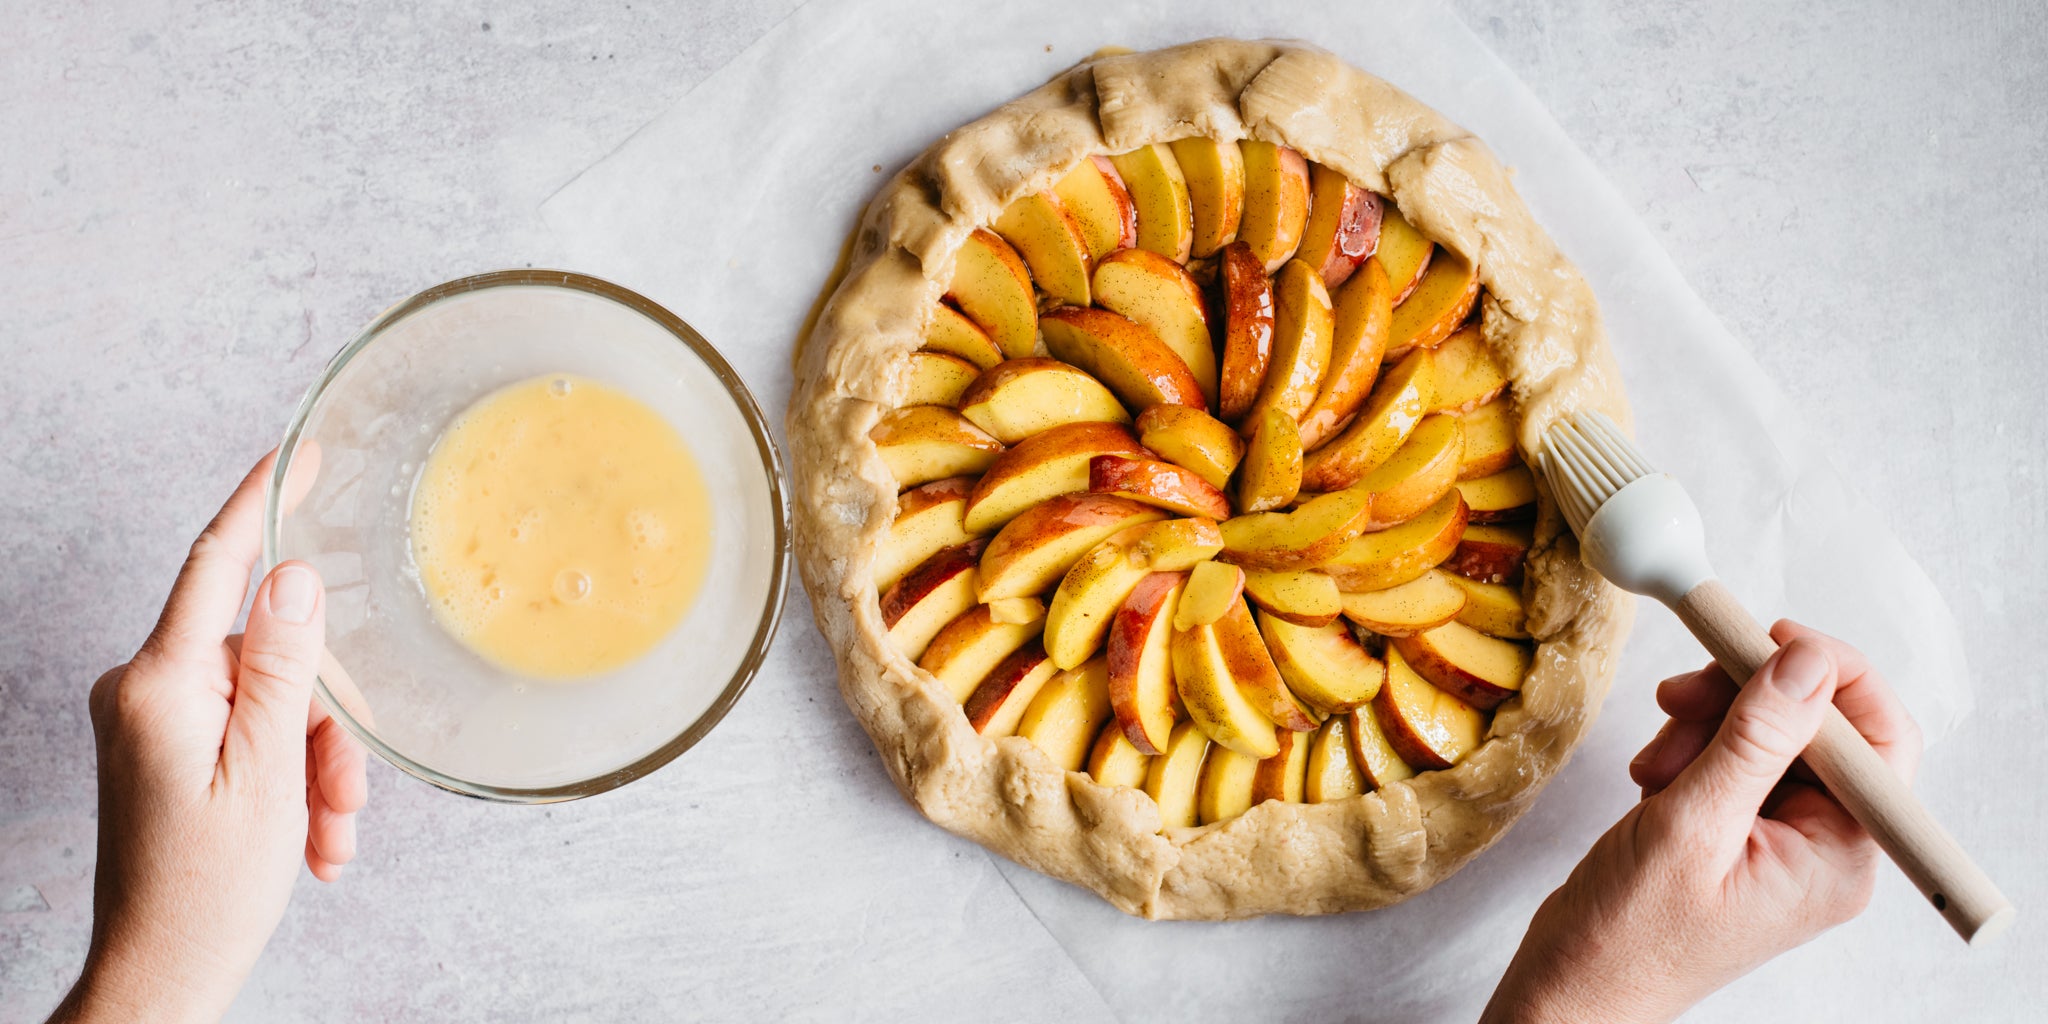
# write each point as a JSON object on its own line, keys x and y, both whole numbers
{"x": 280, "y": 655}
{"x": 1772, "y": 720}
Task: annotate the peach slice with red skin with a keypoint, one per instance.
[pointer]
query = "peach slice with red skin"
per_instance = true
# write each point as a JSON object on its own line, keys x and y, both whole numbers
{"x": 1391, "y": 557}
{"x": 923, "y": 443}
{"x": 1251, "y": 666}
{"x": 1276, "y": 191}
{"x": 1214, "y": 172}
{"x": 1492, "y": 552}
{"x": 1159, "y": 190}
{"x": 935, "y": 593}
{"x": 1248, "y": 313}
{"x": 1437, "y": 306}
{"x": 1035, "y": 550}
{"x": 1508, "y": 496}
{"x": 1020, "y": 397}
{"x": 1364, "y": 308}
{"x": 1042, "y": 466}
{"x": 1428, "y": 729}
{"x": 1323, "y": 665}
{"x": 1123, "y": 354}
{"x": 1343, "y": 225}
{"x": 1378, "y": 763}
{"x": 1404, "y": 251}
{"x": 1162, "y": 484}
{"x": 1078, "y": 620}
{"x": 997, "y": 705}
{"x": 1141, "y": 666}
{"x": 1158, "y": 294}
{"x": 1480, "y": 670}
{"x": 970, "y": 646}
{"x": 1281, "y": 776}
{"x": 1303, "y": 325}
{"x": 1302, "y": 538}
{"x": 929, "y": 518}
{"x": 1095, "y": 194}
{"x": 1113, "y": 761}
{"x": 1392, "y": 411}
{"x": 1192, "y": 439}
{"x": 992, "y": 286}
{"x": 1215, "y": 701}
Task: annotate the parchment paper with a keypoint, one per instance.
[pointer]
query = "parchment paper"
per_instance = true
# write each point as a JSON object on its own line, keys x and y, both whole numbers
{"x": 731, "y": 209}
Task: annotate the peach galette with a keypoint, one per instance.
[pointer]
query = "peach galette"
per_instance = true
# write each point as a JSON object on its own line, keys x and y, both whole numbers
{"x": 1161, "y": 489}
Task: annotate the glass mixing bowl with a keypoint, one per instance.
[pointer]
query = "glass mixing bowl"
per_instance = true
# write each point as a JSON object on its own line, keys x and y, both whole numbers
{"x": 412, "y": 692}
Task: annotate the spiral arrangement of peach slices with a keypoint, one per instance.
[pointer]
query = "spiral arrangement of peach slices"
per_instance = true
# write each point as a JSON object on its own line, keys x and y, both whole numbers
{"x": 1210, "y": 487}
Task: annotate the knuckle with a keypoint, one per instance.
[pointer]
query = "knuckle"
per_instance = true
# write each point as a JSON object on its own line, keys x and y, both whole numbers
{"x": 275, "y": 664}
{"x": 99, "y": 702}
{"x": 1761, "y": 738}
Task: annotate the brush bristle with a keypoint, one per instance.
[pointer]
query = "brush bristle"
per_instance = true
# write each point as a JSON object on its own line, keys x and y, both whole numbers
{"x": 1588, "y": 459}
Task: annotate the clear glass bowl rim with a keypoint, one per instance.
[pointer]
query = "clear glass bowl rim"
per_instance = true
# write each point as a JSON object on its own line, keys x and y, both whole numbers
{"x": 764, "y": 443}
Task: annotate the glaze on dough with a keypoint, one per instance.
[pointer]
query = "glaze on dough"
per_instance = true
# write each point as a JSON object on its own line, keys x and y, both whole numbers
{"x": 1354, "y": 854}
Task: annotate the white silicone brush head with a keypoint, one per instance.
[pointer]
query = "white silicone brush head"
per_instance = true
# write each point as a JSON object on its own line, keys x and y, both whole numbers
{"x": 1636, "y": 526}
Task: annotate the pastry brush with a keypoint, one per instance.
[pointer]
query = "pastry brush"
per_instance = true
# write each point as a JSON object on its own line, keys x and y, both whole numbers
{"x": 1638, "y": 528}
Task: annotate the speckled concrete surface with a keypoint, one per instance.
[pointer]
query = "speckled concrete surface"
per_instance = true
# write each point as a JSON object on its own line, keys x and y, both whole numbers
{"x": 198, "y": 203}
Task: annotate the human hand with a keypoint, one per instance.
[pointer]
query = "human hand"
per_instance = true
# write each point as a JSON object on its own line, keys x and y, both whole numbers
{"x": 218, "y": 772}
{"x": 1734, "y": 855}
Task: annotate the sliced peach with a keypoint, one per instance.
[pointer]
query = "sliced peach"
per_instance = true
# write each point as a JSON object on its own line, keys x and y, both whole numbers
{"x": 1343, "y": 225}
{"x": 1078, "y": 620}
{"x": 1214, "y": 171}
{"x": 1212, "y": 588}
{"x": 1175, "y": 545}
{"x": 1492, "y": 552}
{"x": 1467, "y": 374}
{"x": 1332, "y": 770}
{"x": 1039, "y": 227}
{"x": 1173, "y": 780}
{"x": 1282, "y": 776}
{"x": 1251, "y": 666}
{"x": 1271, "y": 473}
{"x": 938, "y": 591}
{"x": 1017, "y": 611}
{"x": 1420, "y": 604}
{"x": 1192, "y": 439}
{"x": 998, "y": 703}
{"x": 1214, "y": 700}
{"x": 1094, "y": 193}
{"x": 1123, "y": 354}
{"x": 1020, "y": 397}
{"x": 992, "y": 286}
{"x": 1379, "y": 765}
{"x": 1033, "y": 551}
{"x": 1276, "y": 189}
{"x": 1113, "y": 761}
{"x": 1067, "y": 713}
{"x": 1303, "y": 538}
{"x": 1226, "y": 789}
{"x": 952, "y": 333}
{"x": 1363, "y": 309}
{"x": 935, "y": 378}
{"x": 1303, "y": 598}
{"x": 1042, "y": 466}
{"x": 929, "y": 519}
{"x": 970, "y": 646}
{"x": 1495, "y": 609}
{"x": 923, "y": 443}
{"x": 1162, "y": 484}
{"x": 1440, "y": 302}
{"x": 1391, "y": 557}
{"x": 1481, "y": 670}
{"x": 1404, "y": 251}
{"x": 1323, "y": 665}
{"x": 1419, "y": 475}
{"x": 1247, "y": 331}
{"x": 1392, "y": 412}
{"x": 1489, "y": 440}
{"x": 1159, "y": 294}
{"x": 1141, "y": 686}
{"x": 1165, "y": 213}
{"x": 1303, "y": 325}
{"x": 1508, "y": 496}
{"x": 1428, "y": 729}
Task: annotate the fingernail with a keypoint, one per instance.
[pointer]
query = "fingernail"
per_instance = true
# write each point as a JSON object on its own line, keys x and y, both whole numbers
{"x": 294, "y": 590}
{"x": 1800, "y": 668}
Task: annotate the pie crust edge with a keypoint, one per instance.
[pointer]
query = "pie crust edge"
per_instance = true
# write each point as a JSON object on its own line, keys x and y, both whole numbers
{"x": 1539, "y": 318}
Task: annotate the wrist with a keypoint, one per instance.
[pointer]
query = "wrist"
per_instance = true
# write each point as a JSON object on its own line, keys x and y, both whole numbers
{"x": 114, "y": 987}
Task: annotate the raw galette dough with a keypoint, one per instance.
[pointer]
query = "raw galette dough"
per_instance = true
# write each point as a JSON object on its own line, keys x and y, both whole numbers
{"x": 1353, "y": 854}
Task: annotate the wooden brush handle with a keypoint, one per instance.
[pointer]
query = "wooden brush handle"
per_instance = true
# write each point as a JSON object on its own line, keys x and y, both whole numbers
{"x": 1858, "y": 777}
